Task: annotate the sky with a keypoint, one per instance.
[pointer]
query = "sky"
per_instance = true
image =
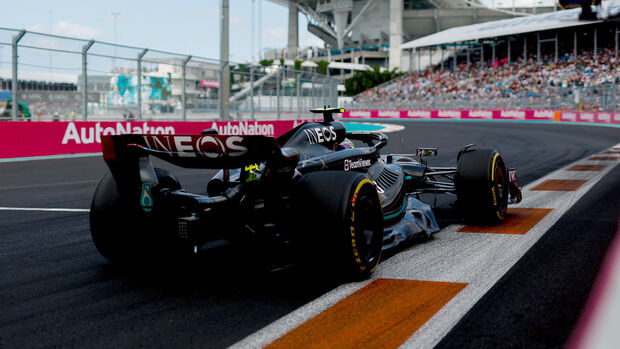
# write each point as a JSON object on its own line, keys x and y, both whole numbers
{"x": 188, "y": 27}
{"x": 180, "y": 26}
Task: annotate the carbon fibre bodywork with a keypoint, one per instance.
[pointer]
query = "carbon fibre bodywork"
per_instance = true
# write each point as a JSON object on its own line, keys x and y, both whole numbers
{"x": 250, "y": 196}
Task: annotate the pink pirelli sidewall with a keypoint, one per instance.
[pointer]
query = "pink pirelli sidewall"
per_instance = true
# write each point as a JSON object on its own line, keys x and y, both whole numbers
{"x": 26, "y": 139}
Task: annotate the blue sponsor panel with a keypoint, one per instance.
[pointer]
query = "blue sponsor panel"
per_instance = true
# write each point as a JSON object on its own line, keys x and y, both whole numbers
{"x": 154, "y": 89}
{"x": 5, "y": 95}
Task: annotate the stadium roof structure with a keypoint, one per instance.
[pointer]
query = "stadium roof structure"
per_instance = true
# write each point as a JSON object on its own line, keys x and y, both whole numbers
{"x": 510, "y": 26}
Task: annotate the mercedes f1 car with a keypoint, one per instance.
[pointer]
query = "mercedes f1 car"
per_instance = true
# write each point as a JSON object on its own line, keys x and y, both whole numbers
{"x": 311, "y": 190}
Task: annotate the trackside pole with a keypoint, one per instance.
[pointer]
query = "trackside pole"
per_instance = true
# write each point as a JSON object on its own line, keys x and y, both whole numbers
{"x": 85, "y": 49}
{"x": 509, "y": 54}
{"x": 454, "y": 58}
{"x": 278, "y": 82}
{"x": 183, "y": 95}
{"x": 298, "y": 87}
{"x": 224, "y": 90}
{"x": 140, "y": 56}
{"x": 252, "y": 85}
{"x": 538, "y": 48}
{"x": 15, "y": 86}
{"x": 575, "y": 46}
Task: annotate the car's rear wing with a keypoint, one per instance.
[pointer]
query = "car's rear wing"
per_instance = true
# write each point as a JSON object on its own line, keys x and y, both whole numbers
{"x": 194, "y": 151}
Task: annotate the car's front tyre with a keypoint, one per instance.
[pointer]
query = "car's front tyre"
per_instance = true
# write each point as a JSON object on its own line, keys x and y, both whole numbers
{"x": 482, "y": 186}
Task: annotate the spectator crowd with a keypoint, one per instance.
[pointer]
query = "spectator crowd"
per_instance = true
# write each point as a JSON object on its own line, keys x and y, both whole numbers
{"x": 588, "y": 81}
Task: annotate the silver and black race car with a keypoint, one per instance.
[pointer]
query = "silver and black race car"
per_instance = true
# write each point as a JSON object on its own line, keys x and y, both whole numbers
{"x": 313, "y": 190}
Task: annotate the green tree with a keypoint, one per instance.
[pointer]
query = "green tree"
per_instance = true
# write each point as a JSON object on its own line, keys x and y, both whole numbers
{"x": 368, "y": 79}
{"x": 241, "y": 69}
{"x": 322, "y": 67}
{"x": 266, "y": 62}
{"x": 298, "y": 65}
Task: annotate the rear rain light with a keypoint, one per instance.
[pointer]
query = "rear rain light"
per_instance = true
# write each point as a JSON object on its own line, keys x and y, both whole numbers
{"x": 107, "y": 146}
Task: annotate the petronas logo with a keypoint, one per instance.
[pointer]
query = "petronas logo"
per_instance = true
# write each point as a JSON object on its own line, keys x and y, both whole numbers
{"x": 146, "y": 199}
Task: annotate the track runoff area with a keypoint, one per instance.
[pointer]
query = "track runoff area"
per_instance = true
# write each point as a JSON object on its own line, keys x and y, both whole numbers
{"x": 468, "y": 286}
{"x": 417, "y": 296}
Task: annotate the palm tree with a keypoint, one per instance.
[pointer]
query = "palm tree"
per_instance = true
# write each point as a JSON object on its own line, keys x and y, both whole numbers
{"x": 368, "y": 79}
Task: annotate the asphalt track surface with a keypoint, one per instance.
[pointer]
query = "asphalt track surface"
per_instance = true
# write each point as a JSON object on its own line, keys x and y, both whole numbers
{"x": 56, "y": 290}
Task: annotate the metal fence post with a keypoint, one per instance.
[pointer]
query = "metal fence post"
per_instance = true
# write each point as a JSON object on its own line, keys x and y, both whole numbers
{"x": 538, "y": 48}
{"x": 15, "y": 83}
{"x": 509, "y": 53}
{"x": 260, "y": 97}
{"x": 140, "y": 56}
{"x": 324, "y": 91}
{"x": 219, "y": 93}
{"x": 430, "y": 57}
{"x": 575, "y": 46}
{"x": 278, "y": 83}
{"x": 85, "y": 49}
{"x": 298, "y": 87}
{"x": 616, "y": 41}
{"x": 468, "y": 55}
{"x": 442, "y": 55}
{"x": 595, "y": 44}
{"x": 556, "y": 47}
{"x": 313, "y": 93}
{"x": 183, "y": 95}
{"x": 252, "y": 91}
{"x": 454, "y": 58}
{"x": 419, "y": 52}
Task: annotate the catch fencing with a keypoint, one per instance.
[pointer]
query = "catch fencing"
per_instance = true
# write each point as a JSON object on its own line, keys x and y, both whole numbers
{"x": 65, "y": 78}
{"x": 604, "y": 97}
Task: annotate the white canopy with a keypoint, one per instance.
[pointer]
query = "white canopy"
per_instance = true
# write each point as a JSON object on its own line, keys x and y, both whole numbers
{"x": 510, "y": 26}
{"x": 309, "y": 64}
{"x": 350, "y": 66}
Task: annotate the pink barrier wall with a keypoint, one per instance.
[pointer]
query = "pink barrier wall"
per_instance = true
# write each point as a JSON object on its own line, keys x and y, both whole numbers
{"x": 25, "y": 139}
{"x": 549, "y": 115}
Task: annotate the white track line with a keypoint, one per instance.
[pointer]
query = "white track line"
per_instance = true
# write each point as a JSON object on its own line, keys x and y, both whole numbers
{"x": 479, "y": 260}
{"x": 43, "y": 185}
{"x": 44, "y": 209}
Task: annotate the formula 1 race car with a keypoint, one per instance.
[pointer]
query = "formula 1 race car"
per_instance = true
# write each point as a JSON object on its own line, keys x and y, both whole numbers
{"x": 311, "y": 190}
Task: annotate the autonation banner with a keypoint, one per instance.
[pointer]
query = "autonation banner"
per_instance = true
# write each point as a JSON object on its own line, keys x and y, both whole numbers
{"x": 545, "y": 115}
{"x": 26, "y": 139}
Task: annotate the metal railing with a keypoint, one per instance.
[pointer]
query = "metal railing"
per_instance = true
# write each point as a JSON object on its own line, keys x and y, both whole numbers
{"x": 102, "y": 80}
{"x": 602, "y": 97}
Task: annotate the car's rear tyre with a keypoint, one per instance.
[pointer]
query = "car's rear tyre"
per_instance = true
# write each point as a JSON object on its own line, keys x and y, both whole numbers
{"x": 482, "y": 186}
{"x": 340, "y": 222}
{"x": 121, "y": 230}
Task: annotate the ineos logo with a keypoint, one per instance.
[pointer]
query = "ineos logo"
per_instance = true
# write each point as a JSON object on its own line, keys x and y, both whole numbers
{"x": 210, "y": 147}
{"x": 213, "y": 147}
{"x": 320, "y": 134}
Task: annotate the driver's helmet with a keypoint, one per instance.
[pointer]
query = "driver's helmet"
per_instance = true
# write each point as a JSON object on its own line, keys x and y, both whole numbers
{"x": 345, "y": 144}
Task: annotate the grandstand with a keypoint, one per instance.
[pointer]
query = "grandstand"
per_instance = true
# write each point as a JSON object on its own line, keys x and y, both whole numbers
{"x": 550, "y": 61}
{"x": 31, "y": 85}
{"x": 36, "y": 95}
{"x": 371, "y": 31}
